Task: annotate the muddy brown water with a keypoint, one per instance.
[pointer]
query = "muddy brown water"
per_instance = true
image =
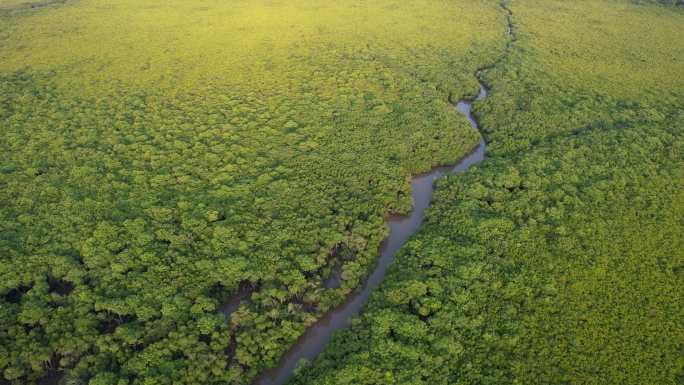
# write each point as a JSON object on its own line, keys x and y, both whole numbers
{"x": 317, "y": 336}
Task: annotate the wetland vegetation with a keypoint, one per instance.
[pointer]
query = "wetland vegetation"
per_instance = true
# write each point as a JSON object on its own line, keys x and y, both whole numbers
{"x": 158, "y": 158}
{"x": 180, "y": 181}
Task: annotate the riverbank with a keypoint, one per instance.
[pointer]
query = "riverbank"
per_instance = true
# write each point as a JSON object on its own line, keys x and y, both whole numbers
{"x": 557, "y": 260}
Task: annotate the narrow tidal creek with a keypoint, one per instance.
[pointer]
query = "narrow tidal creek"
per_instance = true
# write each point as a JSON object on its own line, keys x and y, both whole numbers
{"x": 316, "y": 337}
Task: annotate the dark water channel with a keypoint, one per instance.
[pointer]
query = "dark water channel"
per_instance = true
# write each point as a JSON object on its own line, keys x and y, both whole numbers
{"x": 316, "y": 337}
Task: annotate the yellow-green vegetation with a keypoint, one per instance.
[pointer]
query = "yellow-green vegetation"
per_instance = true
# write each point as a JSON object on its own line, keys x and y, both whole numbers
{"x": 157, "y": 156}
{"x": 18, "y": 5}
{"x": 583, "y": 65}
{"x": 561, "y": 259}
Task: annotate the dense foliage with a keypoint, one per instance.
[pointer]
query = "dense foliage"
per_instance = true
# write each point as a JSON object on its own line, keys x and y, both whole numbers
{"x": 664, "y": 2}
{"x": 160, "y": 158}
{"x": 561, "y": 259}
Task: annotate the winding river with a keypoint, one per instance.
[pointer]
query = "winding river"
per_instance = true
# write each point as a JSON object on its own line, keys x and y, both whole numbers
{"x": 316, "y": 337}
